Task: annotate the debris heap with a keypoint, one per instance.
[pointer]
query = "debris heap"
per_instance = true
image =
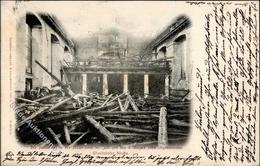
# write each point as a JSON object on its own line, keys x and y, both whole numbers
{"x": 69, "y": 119}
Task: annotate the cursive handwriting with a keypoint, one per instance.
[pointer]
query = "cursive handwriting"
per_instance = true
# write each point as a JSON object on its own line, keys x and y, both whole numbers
{"x": 226, "y": 87}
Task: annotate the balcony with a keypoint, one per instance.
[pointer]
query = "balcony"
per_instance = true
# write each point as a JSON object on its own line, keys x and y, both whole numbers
{"x": 117, "y": 66}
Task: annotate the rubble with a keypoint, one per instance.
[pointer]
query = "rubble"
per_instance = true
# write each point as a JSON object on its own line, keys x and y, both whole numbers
{"x": 116, "y": 119}
{"x": 70, "y": 119}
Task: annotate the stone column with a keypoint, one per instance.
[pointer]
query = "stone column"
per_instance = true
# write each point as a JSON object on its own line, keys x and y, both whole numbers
{"x": 84, "y": 84}
{"x": 167, "y": 87}
{"x": 125, "y": 87}
{"x": 162, "y": 131}
{"x": 105, "y": 85}
{"x": 146, "y": 85}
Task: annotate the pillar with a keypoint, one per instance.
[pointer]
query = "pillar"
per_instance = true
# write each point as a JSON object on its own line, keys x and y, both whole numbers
{"x": 162, "y": 132}
{"x": 84, "y": 84}
{"x": 167, "y": 87}
{"x": 125, "y": 87}
{"x": 146, "y": 84}
{"x": 36, "y": 51}
{"x": 105, "y": 85}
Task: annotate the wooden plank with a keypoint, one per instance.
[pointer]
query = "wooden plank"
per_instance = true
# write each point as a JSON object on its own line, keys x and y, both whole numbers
{"x": 125, "y": 113}
{"x": 126, "y": 103}
{"x": 76, "y": 133}
{"x": 77, "y": 140}
{"x": 65, "y": 87}
{"x": 114, "y": 109}
{"x": 120, "y": 105}
{"x": 162, "y": 132}
{"x": 108, "y": 98}
{"x": 132, "y": 134}
{"x": 134, "y": 106}
{"x": 115, "y": 98}
{"x": 175, "y": 134}
{"x": 177, "y": 139}
{"x": 130, "y": 129}
{"x": 132, "y": 120}
{"x": 55, "y": 137}
{"x": 126, "y": 138}
{"x": 73, "y": 114}
{"x": 143, "y": 143}
{"x": 179, "y": 122}
{"x": 60, "y": 103}
{"x": 122, "y": 109}
{"x": 45, "y": 97}
{"x": 102, "y": 130}
{"x": 28, "y": 101}
{"x": 40, "y": 111}
{"x": 67, "y": 134}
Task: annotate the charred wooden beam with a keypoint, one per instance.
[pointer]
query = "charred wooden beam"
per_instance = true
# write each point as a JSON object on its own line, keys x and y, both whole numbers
{"x": 132, "y": 134}
{"x": 126, "y": 113}
{"x": 115, "y": 98}
{"x": 67, "y": 134}
{"x": 130, "y": 129}
{"x": 45, "y": 97}
{"x": 126, "y": 103}
{"x": 120, "y": 105}
{"x": 28, "y": 101}
{"x": 64, "y": 86}
{"x": 179, "y": 122}
{"x": 134, "y": 106}
{"x": 107, "y": 100}
{"x": 114, "y": 109}
{"x": 40, "y": 111}
{"x": 77, "y": 140}
{"x": 102, "y": 130}
{"x": 59, "y": 104}
{"x": 132, "y": 120}
{"x": 56, "y": 138}
{"x": 73, "y": 114}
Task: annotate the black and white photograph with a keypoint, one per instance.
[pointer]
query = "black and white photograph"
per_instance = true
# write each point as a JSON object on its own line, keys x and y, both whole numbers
{"x": 108, "y": 85}
{"x": 129, "y": 83}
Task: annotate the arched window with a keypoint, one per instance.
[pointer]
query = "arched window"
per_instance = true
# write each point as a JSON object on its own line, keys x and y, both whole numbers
{"x": 162, "y": 52}
{"x": 66, "y": 49}
{"x": 67, "y": 57}
{"x": 180, "y": 45}
{"x": 33, "y": 48}
{"x": 32, "y": 34}
{"x": 54, "y": 39}
{"x": 54, "y": 52}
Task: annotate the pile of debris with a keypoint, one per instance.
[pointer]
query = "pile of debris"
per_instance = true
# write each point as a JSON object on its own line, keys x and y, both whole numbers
{"x": 68, "y": 119}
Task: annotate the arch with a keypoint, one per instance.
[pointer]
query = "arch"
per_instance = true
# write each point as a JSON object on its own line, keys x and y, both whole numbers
{"x": 181, "y": 38}
{"x": 32, "y": 20}
{"x": 67, "y": 56}
{"x": 163, "y": 49}
{"x": 162, "y": 52}
{"x": 55, "y": 54}
{"x": 33, "y": 37}
{"x": 54, "y": 39}
{"x": 66, "y": 49}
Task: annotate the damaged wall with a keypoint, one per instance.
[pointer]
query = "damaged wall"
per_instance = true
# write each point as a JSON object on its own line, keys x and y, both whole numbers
{"x": 174, "y": 44}
{"x": 177, "y": 49}
{"x": 34, "y": 42}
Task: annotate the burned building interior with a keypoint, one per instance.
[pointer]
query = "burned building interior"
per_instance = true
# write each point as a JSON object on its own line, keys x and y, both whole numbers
{"x": 113, "y": 96}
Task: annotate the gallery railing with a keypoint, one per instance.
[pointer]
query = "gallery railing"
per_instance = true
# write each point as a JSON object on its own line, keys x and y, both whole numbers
{"x": 118, "y": 63}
